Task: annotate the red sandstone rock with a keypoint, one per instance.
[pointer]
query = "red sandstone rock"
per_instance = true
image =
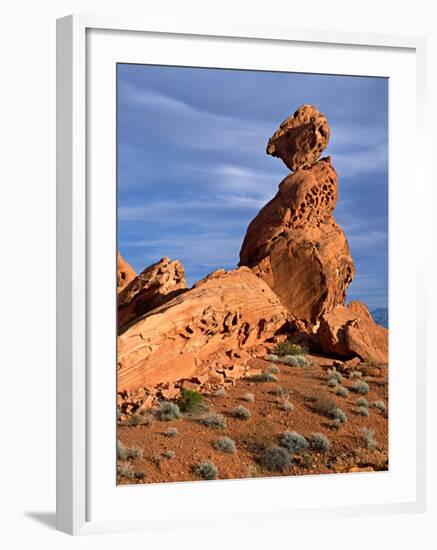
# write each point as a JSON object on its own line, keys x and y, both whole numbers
{"x": 351, "y": 364}
{"x": 125, "y": 272}
{"x": 350, "y": 331}
{"x": 214, "y": 325}
{"x": 153, "y": 287}
{"x": 301, "y": 138}
{"x": 295, "y": 245}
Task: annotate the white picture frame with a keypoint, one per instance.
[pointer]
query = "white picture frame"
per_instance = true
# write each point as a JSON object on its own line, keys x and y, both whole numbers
{"x": 76, "y": 239}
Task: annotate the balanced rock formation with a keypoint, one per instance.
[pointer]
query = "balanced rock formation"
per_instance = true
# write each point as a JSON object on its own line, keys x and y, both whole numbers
{"x": 351, "y": 332}
{"x": 301, "y": 138}
{"x": 295, "y": 245}
{"x": 154, "y": 286}
{"x": 205, "y": 333}
{"x": 125, "y": 272}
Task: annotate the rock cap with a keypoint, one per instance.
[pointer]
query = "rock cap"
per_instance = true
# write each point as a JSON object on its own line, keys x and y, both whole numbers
{"x": 301, "y": 138}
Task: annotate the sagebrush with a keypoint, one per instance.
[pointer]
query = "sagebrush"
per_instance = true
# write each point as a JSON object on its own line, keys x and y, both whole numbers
{"x": 293, "y": 442}
{"x": 168, "y": 411}
{"x": 225, "y": 444}
{"x": 319, "y": 442}
{"x": 275, "y": 459}
{"x": 206, "y": 470}
{"x": 214, "y": 420}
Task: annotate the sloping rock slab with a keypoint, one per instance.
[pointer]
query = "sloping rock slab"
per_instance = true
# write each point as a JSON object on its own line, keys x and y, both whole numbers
{"x": 210, "y": 328}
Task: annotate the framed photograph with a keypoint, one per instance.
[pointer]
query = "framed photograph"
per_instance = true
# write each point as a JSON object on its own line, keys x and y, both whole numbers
{"x": 238, "y": 254}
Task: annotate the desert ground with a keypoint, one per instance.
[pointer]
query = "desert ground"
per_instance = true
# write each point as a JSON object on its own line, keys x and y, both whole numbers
{"x": 160, "y": 456}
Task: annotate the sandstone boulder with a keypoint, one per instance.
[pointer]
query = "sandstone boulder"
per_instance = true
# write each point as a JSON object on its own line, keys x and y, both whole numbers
{"x": 301, "y": 138}
{"x": 213, "y": 327}
{"x": 295, "y": 245}
{"x": 350, "y": 331}
{"x": 125, "y": 272}
{"x": 154, "y": 286}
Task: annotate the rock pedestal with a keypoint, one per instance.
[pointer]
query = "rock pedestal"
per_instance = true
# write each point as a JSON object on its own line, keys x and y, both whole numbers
{"x": 294, "y": 243}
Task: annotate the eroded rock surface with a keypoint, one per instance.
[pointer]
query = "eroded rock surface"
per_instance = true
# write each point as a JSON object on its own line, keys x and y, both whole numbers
{"x": 203, "y": 334}
{"x": 350, "y": 331}
{"x": 154, "y": 286}
{"x": 125, "y": 272}
{"x": 295, "y": 245}
{"x": 301, "y": 138}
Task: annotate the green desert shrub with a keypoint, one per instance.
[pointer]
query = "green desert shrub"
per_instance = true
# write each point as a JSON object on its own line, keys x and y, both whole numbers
{"x": 286, "y": 405}
{"x": 125, "y": 453}
{"x": 125, "y": 471}
{"x": 133, "y": 420}
{"x": 319, "y": 442}
{"x": 328, "y": 407}
{"x": 171, "y": 432}
{"x": 241, "y": 412}
{"x": 146, "y": 417}
{"x": 273, "y": 369}
{"x": 356, "y": 374}
{"x": 333, "y": 374}
{"x": 275, "y": 459}
{"x": 288, "y": 348}
{"x": 264, "y": 377}
{"x": 341, "y": 391}
{"x": 189, "y": 400}
{"x": 225, "y": 444}
{"x": 368, "y": 437}
{"x": 339, "y": 416}
{"x": 168, "y": 411}
{"x": 249, "y": 397}
{"x": 306, "y": 460}
{"x": 220, "y": 393}
{"x": 122, "y": 452}
{"x": 169, "y": 454}
{"x": 363, "y": 411}
{"x": 362, "y": 402}
{"x": 361, "y": 387}
{"x": 324, "y": 405}
{"x": 332, "y": 382}
{"x": 214, "y": 420}
{"x": 293, "y": 442}
{"x": 295, "y": 360}
{"x": 272, "y": 357}
{"x": 206, "y": 470}
{"x": 379, "y": 406}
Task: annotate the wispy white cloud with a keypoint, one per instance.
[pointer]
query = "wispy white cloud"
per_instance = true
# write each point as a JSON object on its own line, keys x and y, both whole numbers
{"x": 196, "y": 128}
{"x": 239, "y": 180}
{"x": 359, "y": 149}
{"x": 171, "y": 210}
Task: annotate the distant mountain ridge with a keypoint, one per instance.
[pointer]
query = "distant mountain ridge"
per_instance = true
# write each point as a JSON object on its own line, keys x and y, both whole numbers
{"x": 380, "y": 316}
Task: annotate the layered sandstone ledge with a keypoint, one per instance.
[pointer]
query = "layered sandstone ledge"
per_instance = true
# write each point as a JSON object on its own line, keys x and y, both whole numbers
{"x": 212, "y": 328}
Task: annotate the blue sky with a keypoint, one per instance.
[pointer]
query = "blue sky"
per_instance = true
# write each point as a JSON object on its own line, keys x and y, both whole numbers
{"x": 193, "y": 172}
